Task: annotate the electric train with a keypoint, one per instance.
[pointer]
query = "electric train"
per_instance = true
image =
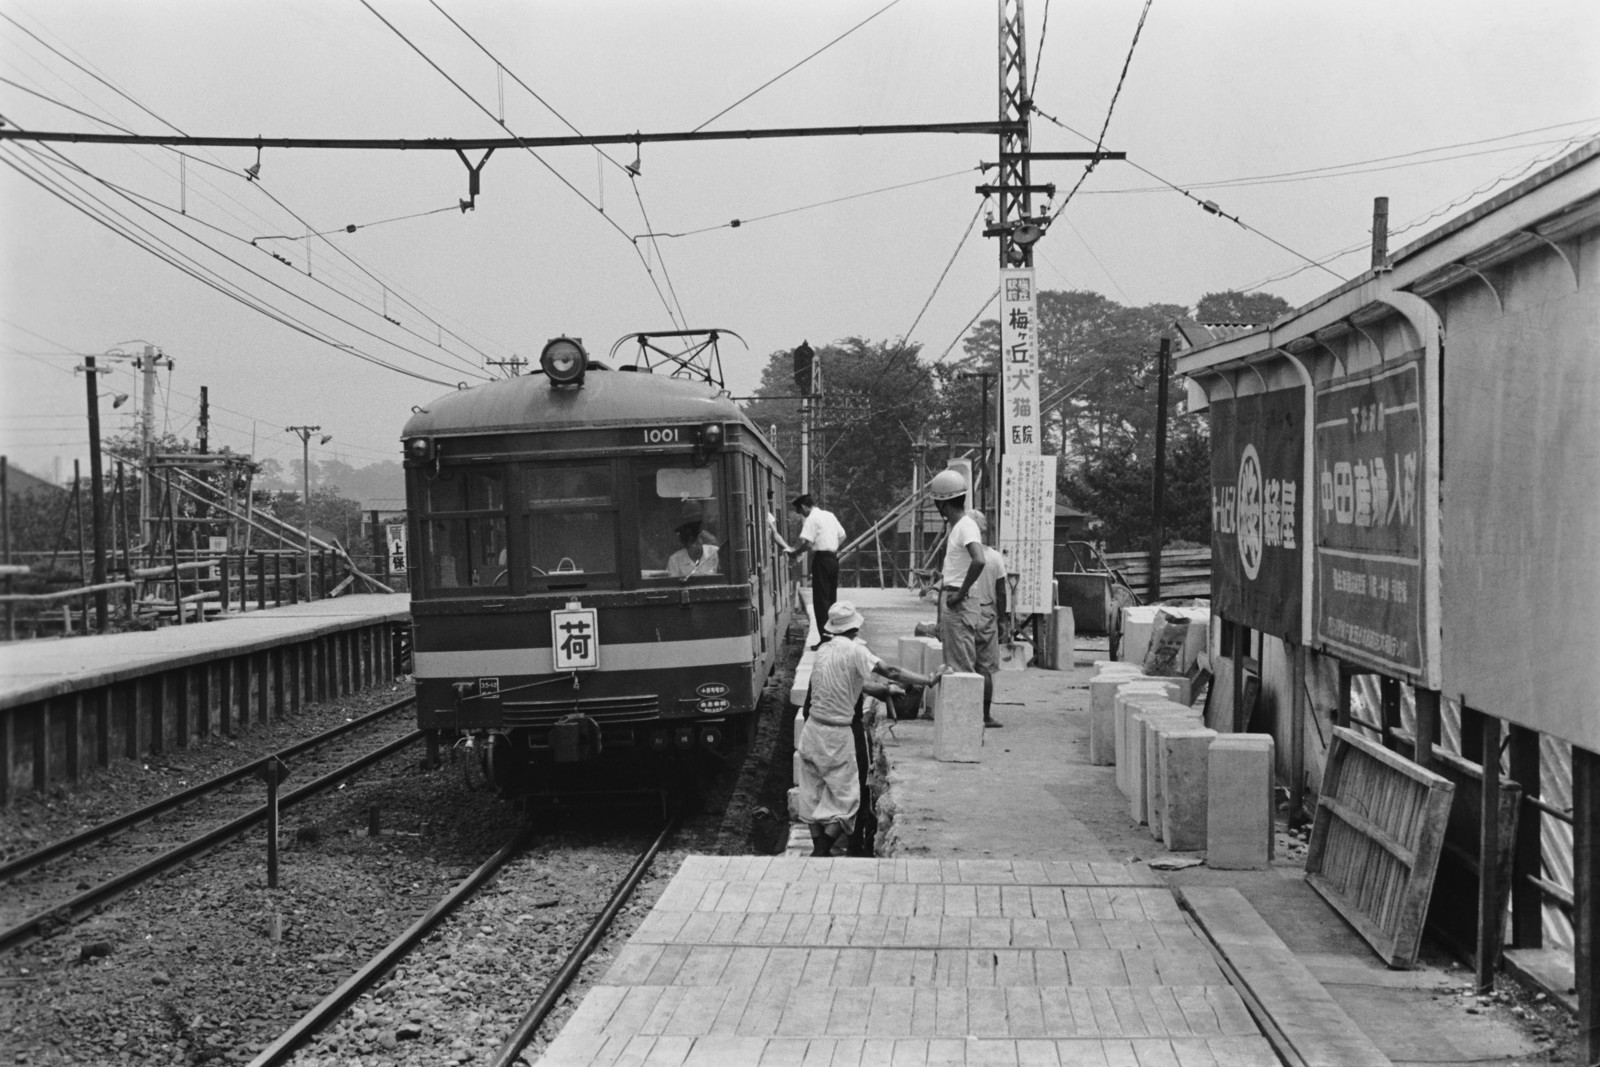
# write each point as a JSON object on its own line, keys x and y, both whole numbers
{"x": 595, "y": 578}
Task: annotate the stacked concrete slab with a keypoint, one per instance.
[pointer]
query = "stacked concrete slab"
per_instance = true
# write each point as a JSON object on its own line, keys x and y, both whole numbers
{"x": 1134, "y": 694}
{"x": 1138, "y": 621}
{"x": 958, "y": 728}
{"x": 1141, "y": 724}
{"x": 1102, "y": 698}
{"x": 1157, "y": 799}
{"x": 1185, "y": 806}
{"x": 1239, "y": 802}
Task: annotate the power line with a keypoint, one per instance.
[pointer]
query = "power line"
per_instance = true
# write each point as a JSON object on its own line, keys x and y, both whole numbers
{"x": 1208, "y": 206}
{"x": 1038, "y": 56}
{"x": 200, "y": 273}
{"x": 388, "y": 287}
{"x": 737, "y": 223}
{"x": 1106, "y": 125}
{"x": 796, "y": 66}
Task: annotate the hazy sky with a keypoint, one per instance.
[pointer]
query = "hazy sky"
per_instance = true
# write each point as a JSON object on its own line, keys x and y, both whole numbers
{"x": 1428, "y": 102}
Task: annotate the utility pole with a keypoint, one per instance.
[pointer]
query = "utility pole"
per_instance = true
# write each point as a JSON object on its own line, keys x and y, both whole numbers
{"x": 204, "y": 433}
{"x": 509, "y": 367}
{"x": 805, "y": 367}
{"x": 91, "y": 381}
{"x": 1158, "y": 532}
{"x": 148, "y": 364}
{"x": 983, "y": 433}
{"x": 304, "y": 433}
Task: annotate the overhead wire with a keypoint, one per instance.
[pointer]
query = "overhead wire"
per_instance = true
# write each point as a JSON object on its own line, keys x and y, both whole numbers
{"x": 795, "y": 67}
{"x": 186, "y": 264}
{"x": 388, "y": 286}
{"x": 525, "y": 147}
{"x": 1116, "y": 93}
{"x": 738, "y": 223}
{"x": 1038, "y": 55}
{"x": 1208, "y": 206}
{"x": 73, "y": 165}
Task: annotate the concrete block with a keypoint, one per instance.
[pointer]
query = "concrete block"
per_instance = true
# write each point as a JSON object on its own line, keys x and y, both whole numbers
{"x": 1060, "y": 639}
{"x": 932, "y": 660}
{"x": 958, "y": 728}
{"x": 1122, "y": 705}
{"x": 1140, "y": 769}
{"x": 1016, "y": 655}
{"x": 1138, "y": 621}
{"x": 1154, "y": 728}
{"x": 910, "y": 654}
{"x": 794, "y": 803}
{"x": 1239, "y": 802}
{"x": 1102, "y": 715}
{"x": 1184, "y": 777}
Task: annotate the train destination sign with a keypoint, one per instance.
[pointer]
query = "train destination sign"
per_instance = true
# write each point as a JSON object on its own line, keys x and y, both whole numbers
{"x": 1369, "y": 554}
{"x": 575, "y": 638}
{"x": 1257, "y": 539}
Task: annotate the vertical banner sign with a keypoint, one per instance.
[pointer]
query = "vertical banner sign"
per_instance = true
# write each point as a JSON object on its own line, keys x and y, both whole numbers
{"x": 1027, "y": 538}
{"x": 397, "y": 547}
{"x": 1257, "y": 464}
{"x": 1019, "y": 360}
{"x": 1369, "y": 594}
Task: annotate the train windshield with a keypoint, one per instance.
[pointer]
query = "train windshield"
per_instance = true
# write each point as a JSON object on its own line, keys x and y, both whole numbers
{"x": 466, "y": 529}
{"x": 682, "y": 525}
{"x": 572, "y": 519}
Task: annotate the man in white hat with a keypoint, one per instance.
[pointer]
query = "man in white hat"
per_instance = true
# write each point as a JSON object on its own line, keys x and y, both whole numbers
{"x": 830, "y": 782}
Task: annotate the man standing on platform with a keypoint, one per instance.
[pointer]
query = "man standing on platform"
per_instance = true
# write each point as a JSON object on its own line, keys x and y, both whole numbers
{"x": 959, "y": 617}
{"x": 989, "y": 594}
{"x": 821, "y": 536}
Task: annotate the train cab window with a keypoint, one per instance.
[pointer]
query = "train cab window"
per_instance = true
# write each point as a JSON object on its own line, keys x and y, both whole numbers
{"x": 466, "y": 529}
{"x": 571, "y": 526}
{"x": 682, "y": 523}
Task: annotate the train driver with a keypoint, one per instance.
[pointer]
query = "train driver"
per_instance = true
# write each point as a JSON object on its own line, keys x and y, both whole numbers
{"x": 695, "y": 557}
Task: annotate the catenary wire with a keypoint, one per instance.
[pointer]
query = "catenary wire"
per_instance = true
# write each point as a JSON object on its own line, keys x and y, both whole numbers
{"x": 136, "y": 103}
{"x": 796, "y": 66}
{"x": 1106, "y": 125}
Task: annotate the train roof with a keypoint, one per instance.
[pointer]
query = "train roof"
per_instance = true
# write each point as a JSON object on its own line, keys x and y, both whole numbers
{"x": 606, "y": 398}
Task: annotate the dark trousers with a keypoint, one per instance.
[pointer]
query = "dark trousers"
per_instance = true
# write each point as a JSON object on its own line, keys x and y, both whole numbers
{"x": 824, "y": 586}
{"x": 863, "y": 839}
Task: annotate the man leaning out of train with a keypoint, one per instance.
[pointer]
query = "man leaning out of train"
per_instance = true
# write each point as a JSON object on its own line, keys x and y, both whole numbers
{"x": 830, "y": 786}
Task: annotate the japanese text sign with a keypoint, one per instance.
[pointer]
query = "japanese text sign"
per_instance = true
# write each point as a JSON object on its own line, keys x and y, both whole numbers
{"x": 1369, "y": 596}
{"x": 1019, "y": 361}
{"x": 1257, "y": 536}
{"x": 575, "y": 638}
{"x": 1027, "y": 528}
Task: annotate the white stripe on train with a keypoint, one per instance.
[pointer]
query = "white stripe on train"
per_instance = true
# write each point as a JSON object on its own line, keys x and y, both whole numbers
{"x": 644, "y": 656}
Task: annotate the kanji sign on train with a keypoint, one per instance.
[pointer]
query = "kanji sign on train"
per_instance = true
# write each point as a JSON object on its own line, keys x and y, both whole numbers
{"x": 575, "y": 639}
{"x": 1369, "y": 594}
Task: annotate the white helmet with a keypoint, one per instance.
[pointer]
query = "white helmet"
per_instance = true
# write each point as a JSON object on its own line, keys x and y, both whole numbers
{"x": 947, "y": 485}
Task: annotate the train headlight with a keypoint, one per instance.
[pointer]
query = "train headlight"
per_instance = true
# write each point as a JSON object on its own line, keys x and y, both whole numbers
{"x": 710, "y": 436}
{"x": 564, "y": 361}
{"x": 419, "y": 449}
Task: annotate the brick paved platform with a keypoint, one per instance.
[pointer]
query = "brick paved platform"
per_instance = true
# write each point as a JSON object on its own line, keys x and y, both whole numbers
{"x": 783, "y": 960}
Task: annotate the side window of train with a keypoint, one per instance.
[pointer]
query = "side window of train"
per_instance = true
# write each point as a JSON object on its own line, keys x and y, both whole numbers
{"x": 682, "y": 519}
{"x": 466, "y": 529}
{"x": 572, "y": 525}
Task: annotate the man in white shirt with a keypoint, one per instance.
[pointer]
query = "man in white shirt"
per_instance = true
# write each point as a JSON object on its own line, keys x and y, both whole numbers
{"x": 821, "y": 536}
{"x": 830, "y": 794}
{"x": 695, "y": 557}
{"x": 959, "y": 617}
{"x": 989, "y": 594}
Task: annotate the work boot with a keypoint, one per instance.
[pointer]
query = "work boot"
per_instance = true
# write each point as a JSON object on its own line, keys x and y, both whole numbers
{"x": 992, "y": 724}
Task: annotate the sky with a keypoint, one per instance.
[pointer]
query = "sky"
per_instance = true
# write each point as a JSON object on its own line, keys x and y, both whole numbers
{"x": 1304, "y": 111}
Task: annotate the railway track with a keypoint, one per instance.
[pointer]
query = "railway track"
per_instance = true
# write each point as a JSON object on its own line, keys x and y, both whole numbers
{"x": 370, "y": 974}
{"x": 45, "y": 905}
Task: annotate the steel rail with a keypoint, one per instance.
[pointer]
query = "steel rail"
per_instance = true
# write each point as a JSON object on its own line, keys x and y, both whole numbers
{"x": 530, "y": 1023}
{"x": 122, "y": 822}
{"x": 35, "y": 925}
{"x": 335, "y": 1003}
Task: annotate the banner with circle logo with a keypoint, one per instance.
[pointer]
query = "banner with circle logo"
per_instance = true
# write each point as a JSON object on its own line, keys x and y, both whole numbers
{"x": 1257, "y": 454}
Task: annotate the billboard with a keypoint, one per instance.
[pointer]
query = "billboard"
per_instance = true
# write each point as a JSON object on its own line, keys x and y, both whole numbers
{"x": 1257, "y": 535}
{"x": 1368, "y": 599}
{"x": 1027, "y": 536}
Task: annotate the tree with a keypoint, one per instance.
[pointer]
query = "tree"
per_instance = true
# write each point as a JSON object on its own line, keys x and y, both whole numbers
{"x": 1114, "y": 485}
{"x": 876, "y": 401}
{"x": 1233, "y": 306}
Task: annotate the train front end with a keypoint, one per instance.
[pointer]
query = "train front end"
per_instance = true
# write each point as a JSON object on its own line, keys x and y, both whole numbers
{"x": 592, "y": 598}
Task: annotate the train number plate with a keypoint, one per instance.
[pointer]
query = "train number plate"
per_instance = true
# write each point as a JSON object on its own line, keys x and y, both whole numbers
{"x": 575, "y": 639}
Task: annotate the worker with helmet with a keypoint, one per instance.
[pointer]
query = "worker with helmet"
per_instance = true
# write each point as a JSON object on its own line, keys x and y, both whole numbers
{"x": 960, "y": 618}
